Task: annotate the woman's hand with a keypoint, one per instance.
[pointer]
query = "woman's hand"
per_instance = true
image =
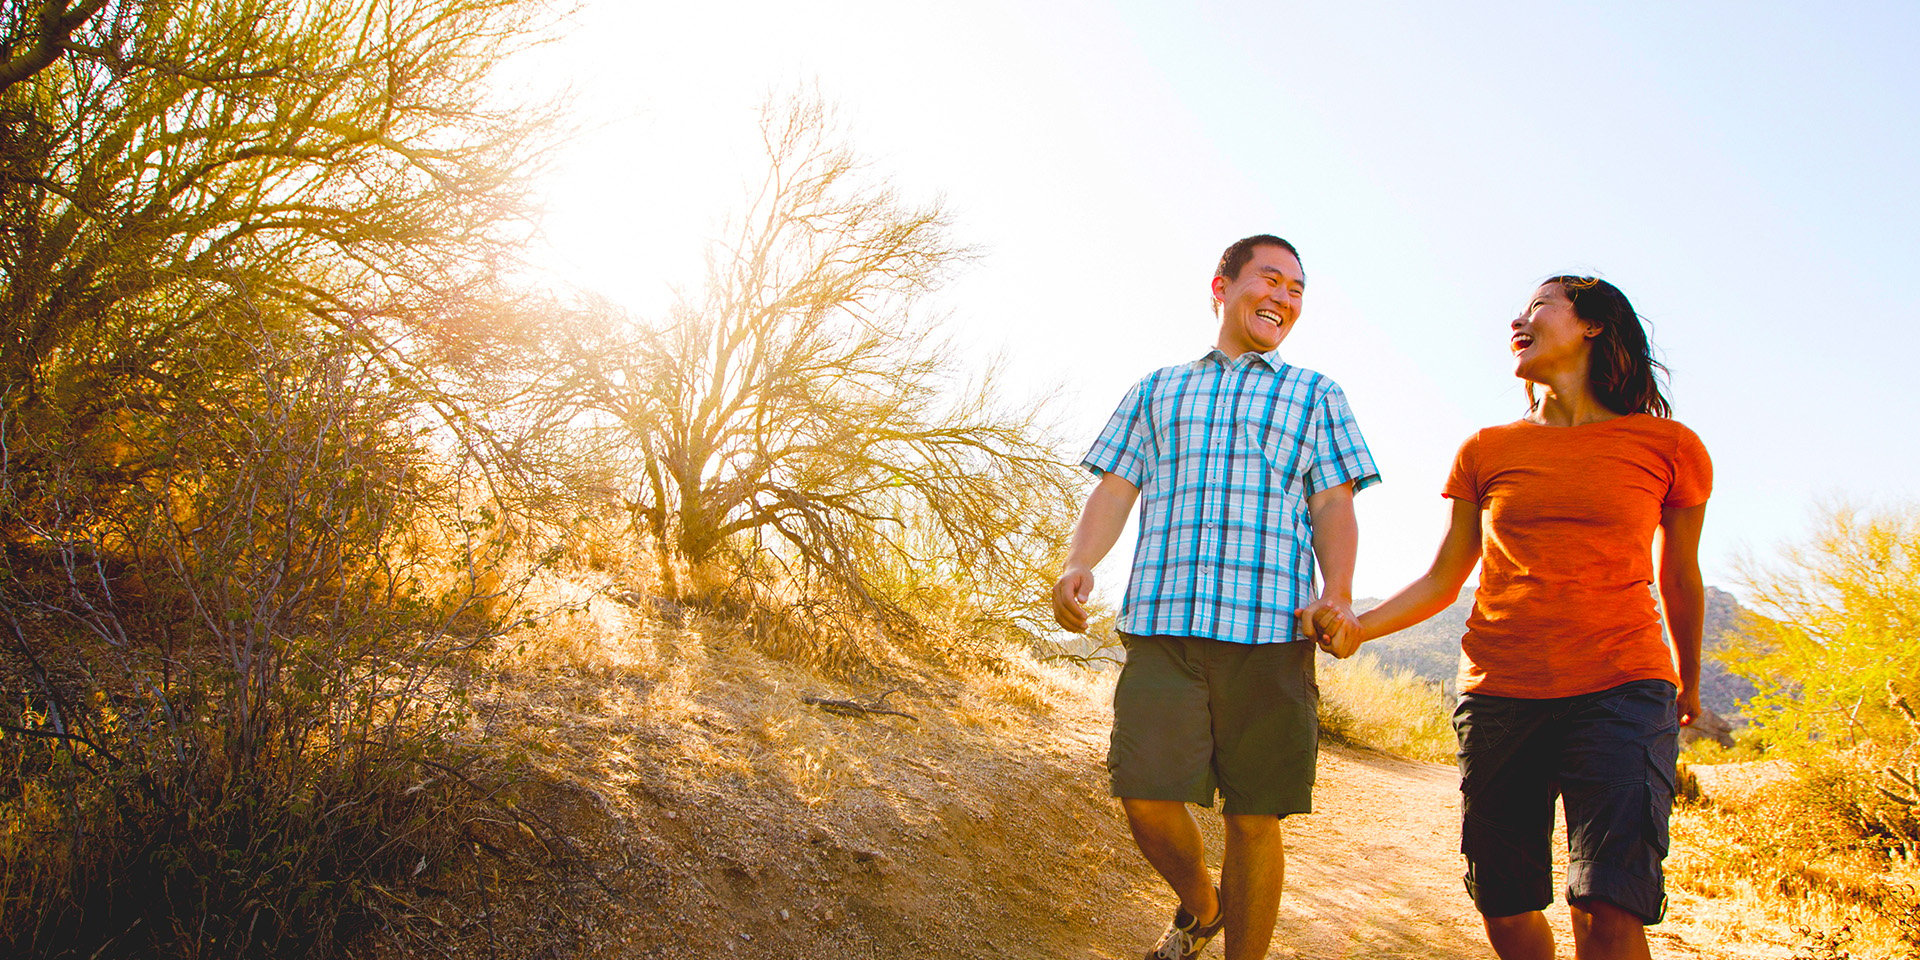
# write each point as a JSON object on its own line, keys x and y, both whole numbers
{"x": 1689, "y": 705}
{"x": 1330, "y": 622}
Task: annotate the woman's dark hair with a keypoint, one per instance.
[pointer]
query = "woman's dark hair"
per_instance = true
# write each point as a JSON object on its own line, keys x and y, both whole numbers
{"x": 1624, "y": 375}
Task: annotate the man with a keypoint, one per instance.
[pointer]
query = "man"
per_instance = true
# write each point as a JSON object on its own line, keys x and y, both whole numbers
{"x": 1245, "y": 468}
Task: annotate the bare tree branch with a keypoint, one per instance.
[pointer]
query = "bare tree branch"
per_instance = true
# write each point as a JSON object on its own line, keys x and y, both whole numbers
{"x": 798, "y": 415}
{"x": 53, "y": 24}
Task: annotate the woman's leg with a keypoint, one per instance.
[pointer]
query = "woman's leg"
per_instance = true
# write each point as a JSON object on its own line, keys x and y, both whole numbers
{"x": 1523, "y": 936}
{"x": 1507, "y": 751}
{"x": 1616, "y": 773}
{"x": 1602, "y": 931}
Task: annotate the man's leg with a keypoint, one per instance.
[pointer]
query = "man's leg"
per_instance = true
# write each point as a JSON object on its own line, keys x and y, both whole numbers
{"x": 1162, "y": 749}
{"x": 1602, "y": 931}
{"x": 1523, "y": 936}
{"x": 1251, "y": 875}
{"x": 1264, "y": 709}
{"x": 1166, "y": 834}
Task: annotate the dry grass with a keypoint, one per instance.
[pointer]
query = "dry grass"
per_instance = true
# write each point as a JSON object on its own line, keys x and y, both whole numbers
{"x": 1797, "y": 847}
{"x": 1395, "y": 711}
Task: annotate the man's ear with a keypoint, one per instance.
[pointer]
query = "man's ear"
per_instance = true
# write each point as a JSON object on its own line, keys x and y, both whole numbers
{"x": 1219, "y": 289}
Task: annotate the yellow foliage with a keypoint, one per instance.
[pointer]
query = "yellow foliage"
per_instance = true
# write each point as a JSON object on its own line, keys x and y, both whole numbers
{"x": 1839, "y": 627}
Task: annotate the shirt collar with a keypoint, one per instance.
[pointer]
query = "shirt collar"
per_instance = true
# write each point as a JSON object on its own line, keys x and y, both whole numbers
{"x": 1271, "y": 358}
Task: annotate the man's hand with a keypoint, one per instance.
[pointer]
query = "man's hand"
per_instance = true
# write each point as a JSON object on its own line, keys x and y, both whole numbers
{"x": 1340, "y": 634}
{"x": 1070, "y": 595}
{"x": 1330, "y": 622}
{"x": 1106, "y": 512}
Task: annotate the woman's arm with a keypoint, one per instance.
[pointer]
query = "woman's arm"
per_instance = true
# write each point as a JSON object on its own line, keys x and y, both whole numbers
{"x": 1437, "y": 588}
{"x": 1683, "y": 597}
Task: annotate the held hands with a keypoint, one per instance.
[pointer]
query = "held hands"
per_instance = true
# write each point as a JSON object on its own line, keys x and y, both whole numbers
{"x": 1330, "y": 622}
{"x": 1070, "y": 598}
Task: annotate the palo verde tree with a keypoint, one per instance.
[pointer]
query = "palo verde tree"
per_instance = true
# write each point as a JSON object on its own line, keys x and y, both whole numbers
{"x": 35, "y": 33}
{"x": 1837, "y": 643}
{"x": 1834, "y": 652}
{"x": 800, "y": 423}
{"x": 171, "y": 172}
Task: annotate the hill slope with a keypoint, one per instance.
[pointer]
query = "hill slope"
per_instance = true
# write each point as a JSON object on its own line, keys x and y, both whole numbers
{"x": 727, "y": 817}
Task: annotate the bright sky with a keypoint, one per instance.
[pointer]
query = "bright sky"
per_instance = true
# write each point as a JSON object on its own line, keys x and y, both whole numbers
{"x": 1746, "y": 172}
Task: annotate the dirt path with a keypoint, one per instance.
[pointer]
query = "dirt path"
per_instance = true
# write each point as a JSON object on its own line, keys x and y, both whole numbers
{"x": 734, "y": 820}
{"x": 1372, "y": 873}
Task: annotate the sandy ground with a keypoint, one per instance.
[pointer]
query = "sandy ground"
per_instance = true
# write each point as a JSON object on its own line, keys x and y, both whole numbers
{"x": 728, "y": 818}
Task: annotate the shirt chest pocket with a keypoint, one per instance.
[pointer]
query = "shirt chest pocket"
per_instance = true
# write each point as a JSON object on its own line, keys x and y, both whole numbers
{"x": 1266, "y": 446}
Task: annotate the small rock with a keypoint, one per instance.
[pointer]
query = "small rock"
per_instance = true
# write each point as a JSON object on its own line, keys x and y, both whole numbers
{"x": 784, "y": 915}
{"x": 747, "y": 937}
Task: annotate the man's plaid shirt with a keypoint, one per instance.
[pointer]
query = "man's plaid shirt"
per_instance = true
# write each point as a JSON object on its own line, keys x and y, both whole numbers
{"x": 1225, "y": 453}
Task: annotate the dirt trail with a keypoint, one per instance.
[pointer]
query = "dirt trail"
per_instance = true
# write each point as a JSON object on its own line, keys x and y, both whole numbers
{"x": 731, "y": 819}
{"x": 1372, "y": 873}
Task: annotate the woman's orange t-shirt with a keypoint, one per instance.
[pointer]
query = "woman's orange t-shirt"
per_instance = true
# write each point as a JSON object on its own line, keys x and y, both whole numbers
{"x": 1567, "y": 520}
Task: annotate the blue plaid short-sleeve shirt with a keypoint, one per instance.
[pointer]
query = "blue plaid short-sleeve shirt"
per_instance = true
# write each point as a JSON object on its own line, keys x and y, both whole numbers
{"x": 1225, "y": 453}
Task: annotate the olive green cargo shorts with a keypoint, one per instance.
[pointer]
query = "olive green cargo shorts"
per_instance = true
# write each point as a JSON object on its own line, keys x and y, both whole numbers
{"x": 1192, "y": 716}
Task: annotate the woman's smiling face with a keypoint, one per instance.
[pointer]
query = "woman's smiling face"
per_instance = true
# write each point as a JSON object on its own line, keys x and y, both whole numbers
{"x": 1548, "y": 337}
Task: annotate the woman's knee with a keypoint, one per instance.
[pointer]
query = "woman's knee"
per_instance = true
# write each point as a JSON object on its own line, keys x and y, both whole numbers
{"x": 1606, "y": 920}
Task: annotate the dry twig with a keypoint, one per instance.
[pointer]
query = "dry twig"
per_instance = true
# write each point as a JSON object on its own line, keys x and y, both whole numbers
{"x": 854, "y": 708}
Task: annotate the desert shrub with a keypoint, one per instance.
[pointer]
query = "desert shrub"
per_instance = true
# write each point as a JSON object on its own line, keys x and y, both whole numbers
{"x": 1838, "y": 623}
{"x": 1834, "y": 652}
{"x": 1842, "y": 795}
{"x": 1395, "y": 711}
{"x": 233, "y": 701}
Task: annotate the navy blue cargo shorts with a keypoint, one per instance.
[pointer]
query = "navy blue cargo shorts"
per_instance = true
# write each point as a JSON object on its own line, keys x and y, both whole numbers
{"x": 1610, "y": 755}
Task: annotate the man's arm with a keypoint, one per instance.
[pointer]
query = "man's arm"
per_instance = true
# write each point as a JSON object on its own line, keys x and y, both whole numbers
{"x": 1684, "y": 597}
{"x": 1100, "y": 525}
{"x": 1336, "y": 543}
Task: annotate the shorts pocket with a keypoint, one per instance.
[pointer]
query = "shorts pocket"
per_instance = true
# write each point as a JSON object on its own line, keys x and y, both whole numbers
{"x": 1649, "y": 704}
{"x": 1659, "y": 801}
{"x": 1657, "y": 814}
{"x": 1482, "y": 730}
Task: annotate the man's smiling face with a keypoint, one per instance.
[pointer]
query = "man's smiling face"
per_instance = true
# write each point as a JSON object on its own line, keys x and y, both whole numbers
{"x": 1259, "y": 306}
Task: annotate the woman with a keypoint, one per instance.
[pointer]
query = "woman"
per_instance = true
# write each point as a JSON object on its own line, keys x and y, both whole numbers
{"x": 1567, "y": 687}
